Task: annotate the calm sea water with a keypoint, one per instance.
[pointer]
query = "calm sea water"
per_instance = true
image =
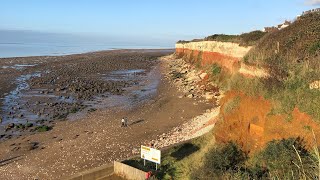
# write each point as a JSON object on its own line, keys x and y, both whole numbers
{"x": 54, "y": 49}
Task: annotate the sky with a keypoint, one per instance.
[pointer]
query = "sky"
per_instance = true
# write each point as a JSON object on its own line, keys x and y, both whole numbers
{"x": 163, "y": 21}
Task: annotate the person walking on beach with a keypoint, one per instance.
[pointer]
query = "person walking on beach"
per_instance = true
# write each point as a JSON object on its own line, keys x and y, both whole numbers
{"x": 123, "y": 122}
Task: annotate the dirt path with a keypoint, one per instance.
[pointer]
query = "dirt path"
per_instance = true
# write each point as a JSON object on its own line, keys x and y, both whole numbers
{"x": 75, "y": 146}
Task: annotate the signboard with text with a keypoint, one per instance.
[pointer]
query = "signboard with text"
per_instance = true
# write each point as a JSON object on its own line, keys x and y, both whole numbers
{"x": 151, "y": 154}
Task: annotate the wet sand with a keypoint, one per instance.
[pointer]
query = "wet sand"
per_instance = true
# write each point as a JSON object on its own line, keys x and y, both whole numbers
{"x": 93, "y": 138}
{"x": 37, "y": 91}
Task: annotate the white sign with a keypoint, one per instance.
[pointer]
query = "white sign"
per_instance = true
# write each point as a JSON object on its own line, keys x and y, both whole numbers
{"x": 151, "y": 154}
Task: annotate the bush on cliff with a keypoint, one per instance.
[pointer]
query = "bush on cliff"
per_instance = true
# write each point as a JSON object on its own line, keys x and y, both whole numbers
{"x": 215, "y": 69}
{"x": 281, "y": 159}
{"x": 221, "y": 160}
{"x": 251, "y": 38}
{"x": 284, "y": 159}
{"x": 245, "y": 39}
{"x": 223, "y": 38}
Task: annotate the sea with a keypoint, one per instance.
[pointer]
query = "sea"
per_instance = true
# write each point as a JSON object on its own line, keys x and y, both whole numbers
{"x": 55, "y": 49}
{"x": 17, "y": 43}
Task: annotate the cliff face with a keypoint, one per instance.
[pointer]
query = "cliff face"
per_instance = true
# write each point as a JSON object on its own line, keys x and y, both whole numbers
{"x": 249, "y": 119}
{"x": 226, "y": 54}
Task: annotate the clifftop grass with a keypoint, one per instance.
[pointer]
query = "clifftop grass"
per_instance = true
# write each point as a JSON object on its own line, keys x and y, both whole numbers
{"x": 298, "y": 43}
{"x": 245, "y": 39}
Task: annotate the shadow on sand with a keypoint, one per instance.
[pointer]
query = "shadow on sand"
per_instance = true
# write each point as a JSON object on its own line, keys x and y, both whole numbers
{"x": 137, "y": 122}
{"x": 10, "y": 160}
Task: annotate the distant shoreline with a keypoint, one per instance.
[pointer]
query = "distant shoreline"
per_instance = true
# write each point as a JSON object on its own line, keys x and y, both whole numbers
{"x": 19, "y": 50}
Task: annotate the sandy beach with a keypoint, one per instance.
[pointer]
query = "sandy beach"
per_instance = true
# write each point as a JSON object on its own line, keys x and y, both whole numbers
{"x": 82, "y": 98}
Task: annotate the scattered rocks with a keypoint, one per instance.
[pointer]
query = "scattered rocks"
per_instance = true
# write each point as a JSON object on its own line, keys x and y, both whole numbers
{"x": 209, "y": 96}
{"x": 9, "y": 126}
{"x": 194, "y": 128}
{"x": 203, "y": 75}
{"x": 190, "y": 96}
{"x": 191, "y": 83}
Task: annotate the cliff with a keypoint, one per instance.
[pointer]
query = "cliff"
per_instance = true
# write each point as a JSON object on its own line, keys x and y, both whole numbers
{"x": 269, "y": 114}
{"x": 225, "y": 54}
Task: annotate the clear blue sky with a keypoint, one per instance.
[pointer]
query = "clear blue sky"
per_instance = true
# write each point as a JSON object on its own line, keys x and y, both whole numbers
{"x": 169, "y": 20}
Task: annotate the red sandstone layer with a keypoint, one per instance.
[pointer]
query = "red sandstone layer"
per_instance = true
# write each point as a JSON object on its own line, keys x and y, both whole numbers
{"x": 207, "y": 58}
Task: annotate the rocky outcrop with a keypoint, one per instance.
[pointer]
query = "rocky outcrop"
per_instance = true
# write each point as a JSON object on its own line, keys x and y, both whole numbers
{"x": 192, "y": 84}
{"x": 225, "y": 54}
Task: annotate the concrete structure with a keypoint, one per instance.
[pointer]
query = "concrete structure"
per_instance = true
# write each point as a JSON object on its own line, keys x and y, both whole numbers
{"x": 106, "y": 172}
{"x": 102, "y": 172}
{"x": 128, "y": 172}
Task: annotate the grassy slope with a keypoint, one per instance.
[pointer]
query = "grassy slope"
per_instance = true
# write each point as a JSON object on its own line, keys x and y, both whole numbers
{"x": 298, "y": 43}
{"x": 293, "y": 57}
{"x": 293, "y": 65}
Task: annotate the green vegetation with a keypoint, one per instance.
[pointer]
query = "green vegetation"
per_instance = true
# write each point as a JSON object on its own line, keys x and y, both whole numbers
{"x": 245, "y": 39}
{"x": 92, "y": 110}
{"x": 287, "y": 87}
{"x": 314, "y": 48}
{"x": 221, "y": 160}
{"x": 215, "y": 69}
{"x": 179, "y": 162}
{"x": 231, "y": 105}
{"x": 286, "y": 159}
{"x": 223, "y": 38}
{"x": 43, "y": 128}
{"x": 251, "y": 38}
{"x": 62, "y": 116}
{"x": 20, "y": 126}
{"x": 282, "y": 159}
{"x": 29, "y": 124}
{"x": 74, "y": 110}
{"x": 292, "y": 58}
{"x": 176, "y": 75}
{"x": 295, "y": 44}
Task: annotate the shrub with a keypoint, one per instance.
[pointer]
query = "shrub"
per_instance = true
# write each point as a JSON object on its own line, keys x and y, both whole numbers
{"x": 315, "y": 47}
{"x": 176, "y": 75}
{"x": 43, "y": 128}
{"x": 245, "y": 39}
{"x": 74, "y": 110}
{"x": 251, "y": 38}
{"x": 228, "y": 158}
{"x": 285, "y": 159}
{"x": 215, "y": 69}
{"x": 20, "y": 126}
{"x": 223, "y": 38}
{"x": 220, "y": 161}
{"x": 29, "y": 124}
